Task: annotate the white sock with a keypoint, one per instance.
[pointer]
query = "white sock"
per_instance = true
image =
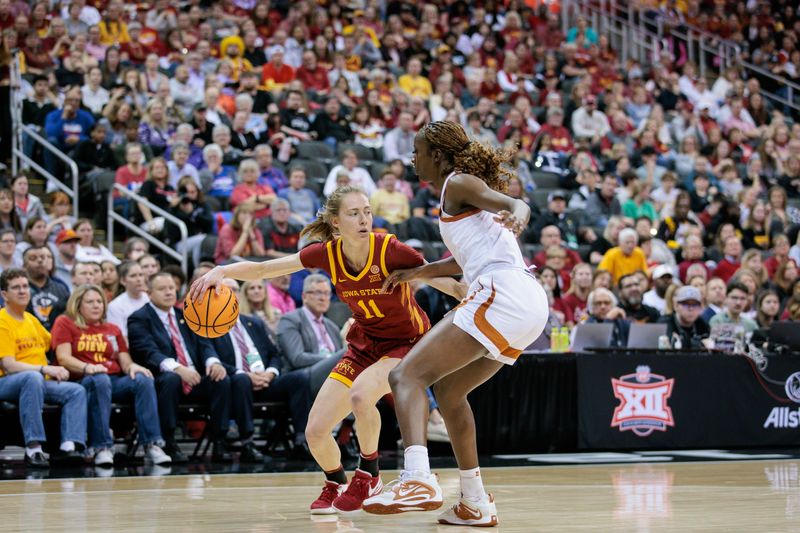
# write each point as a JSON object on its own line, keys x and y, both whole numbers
{"x": 472, "y": 485}
{"x": 67, "y": 446}
{"x": 30, "y": 450}
{"x": 416, "y": 458}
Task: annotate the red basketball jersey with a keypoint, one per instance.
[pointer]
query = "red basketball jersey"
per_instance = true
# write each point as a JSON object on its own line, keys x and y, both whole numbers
{"x": 383, "y": 316}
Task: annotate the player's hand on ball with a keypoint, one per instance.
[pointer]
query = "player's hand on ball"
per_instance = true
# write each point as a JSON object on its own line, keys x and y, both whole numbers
{"x": 212, "y": 278}
{"x": 397, "y": 277}
{"x": 508, "y": 220}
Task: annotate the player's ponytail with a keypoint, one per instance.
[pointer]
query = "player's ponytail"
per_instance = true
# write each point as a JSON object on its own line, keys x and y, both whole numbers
{"x": 322, "y": 228}
{"x": 492, "y": 165}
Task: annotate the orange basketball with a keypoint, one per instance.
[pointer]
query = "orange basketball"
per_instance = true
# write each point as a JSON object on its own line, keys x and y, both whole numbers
{"x": 214, "y": 314}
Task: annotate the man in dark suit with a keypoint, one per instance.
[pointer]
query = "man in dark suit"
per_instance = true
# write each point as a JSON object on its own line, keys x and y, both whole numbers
{"x": 253, "y": 364}
{"x": 184, "y": 365}
{"x": 240, "y": 137}
{"x": 308, "y": 340}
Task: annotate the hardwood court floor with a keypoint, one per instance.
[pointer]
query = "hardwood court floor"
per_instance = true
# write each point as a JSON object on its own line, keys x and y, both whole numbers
{"x": 730, "y": 496}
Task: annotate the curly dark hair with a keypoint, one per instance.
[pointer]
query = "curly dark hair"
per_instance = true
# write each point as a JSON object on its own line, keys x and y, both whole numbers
{"x": 469, "y": 156}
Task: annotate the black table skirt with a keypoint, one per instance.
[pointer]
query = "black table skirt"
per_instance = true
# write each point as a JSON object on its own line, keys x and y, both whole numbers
{"x": 531, "y": 407}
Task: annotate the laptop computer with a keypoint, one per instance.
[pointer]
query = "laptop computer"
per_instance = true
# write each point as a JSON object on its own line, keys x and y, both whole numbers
{"x": 592, "y": 336}
{"x": 785, "y": 333}
{"x": 645, "y": 335}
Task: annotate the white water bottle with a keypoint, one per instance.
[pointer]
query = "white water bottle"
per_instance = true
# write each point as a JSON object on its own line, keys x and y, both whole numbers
{"x": 254, "y": 362}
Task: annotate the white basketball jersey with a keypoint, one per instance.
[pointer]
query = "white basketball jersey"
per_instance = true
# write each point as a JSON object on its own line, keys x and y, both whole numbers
{"x": 478, "y": 243}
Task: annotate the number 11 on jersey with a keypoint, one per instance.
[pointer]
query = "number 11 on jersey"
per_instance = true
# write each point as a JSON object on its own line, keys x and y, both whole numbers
{"x": 375, "y": 311}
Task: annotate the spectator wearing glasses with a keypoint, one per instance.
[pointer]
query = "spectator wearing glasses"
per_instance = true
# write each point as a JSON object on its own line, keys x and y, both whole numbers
{"x": 309, "y": 340}
{"x": 630, "y": 299}
{"x": 603, "y": 309}
{"x": 686, "y": 322}
{"x": 45, "y": 292}
{"x": 8, "y": 257}
{"x": 23, "y": 371}
{"x": 737, "y": 296}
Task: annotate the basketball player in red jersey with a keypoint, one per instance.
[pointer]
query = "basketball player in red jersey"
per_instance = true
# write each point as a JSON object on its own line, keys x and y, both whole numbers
{"x": 386, "y": 327}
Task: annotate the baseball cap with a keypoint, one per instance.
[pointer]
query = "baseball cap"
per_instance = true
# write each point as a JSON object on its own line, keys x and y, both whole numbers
{"x": 687, "y": 293}
{"x": 443, "y": 49}
{"x": 557, "y": 194}
{"x": 134, "y": 26}
{"x": 200, "y": 106}
{"x": 66, "y": 235}
{"x": 662, "y": 270}
{"x": 278, "y": 49}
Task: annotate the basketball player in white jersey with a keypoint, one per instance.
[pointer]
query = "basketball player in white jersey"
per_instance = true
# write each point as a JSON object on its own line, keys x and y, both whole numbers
{"x": 505, "y": 311}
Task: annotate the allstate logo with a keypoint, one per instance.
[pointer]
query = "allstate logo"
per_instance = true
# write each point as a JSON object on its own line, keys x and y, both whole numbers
{"x": 643, "y": 402}
{"x": 792, "y": 387}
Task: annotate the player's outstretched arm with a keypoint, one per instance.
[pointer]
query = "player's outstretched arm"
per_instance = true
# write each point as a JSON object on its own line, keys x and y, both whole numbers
{"x": 451, "y": 286}
{"x": 246, "y": 271}
{"x": 438, "y": 269}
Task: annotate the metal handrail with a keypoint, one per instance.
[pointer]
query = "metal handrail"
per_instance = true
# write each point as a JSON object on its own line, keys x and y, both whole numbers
{"x": 18, "y": 155}
{"x": 113, "y": 216}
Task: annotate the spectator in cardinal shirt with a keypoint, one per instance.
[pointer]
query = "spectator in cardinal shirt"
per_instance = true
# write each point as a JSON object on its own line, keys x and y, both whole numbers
{"x": 731, "y": 262}
{"x": 134, "y": 51}
{"x": 551, "y": 236}
{"x": 277, "y": 74}
{"x": 692, "y": 253}
{"x": 133, "y": 173}
{"x": 314, "y": 77}
{"x": 556, "y": 259}
{"x": 560, "y": 139}
{"x": 780, "y": 253}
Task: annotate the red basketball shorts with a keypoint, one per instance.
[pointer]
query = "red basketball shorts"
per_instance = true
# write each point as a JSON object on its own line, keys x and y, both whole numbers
{"x": 363, "y": 351}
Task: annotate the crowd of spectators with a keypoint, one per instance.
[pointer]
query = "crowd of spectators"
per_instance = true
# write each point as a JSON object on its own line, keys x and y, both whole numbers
{"x": 656, "y": 194}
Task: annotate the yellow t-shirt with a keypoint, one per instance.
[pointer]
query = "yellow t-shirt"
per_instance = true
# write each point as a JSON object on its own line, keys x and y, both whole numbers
{"x": 26, "y": 340}
{"x": 393, "y": 206}
{"x": 620, "y": 264}
{"x": 415, "y": 85}
{"x": 113, "y": 33}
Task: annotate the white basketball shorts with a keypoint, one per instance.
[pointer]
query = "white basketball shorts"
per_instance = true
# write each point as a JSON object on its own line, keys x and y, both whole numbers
{"x": 505, "y": 310}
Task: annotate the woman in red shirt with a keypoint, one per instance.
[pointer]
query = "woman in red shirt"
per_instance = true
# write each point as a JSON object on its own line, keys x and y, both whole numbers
{"x": 96, "y": 355}
{"x": 239, "y": 237}
{"x": 249, "y": 193}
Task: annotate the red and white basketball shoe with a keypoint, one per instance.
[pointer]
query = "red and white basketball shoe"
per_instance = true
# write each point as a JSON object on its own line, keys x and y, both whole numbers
{"x": 413, "y": 491}
{"x": 324, "y": 504}
{"x": 362, "y": 486}
{"x": 469, "y": 513}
